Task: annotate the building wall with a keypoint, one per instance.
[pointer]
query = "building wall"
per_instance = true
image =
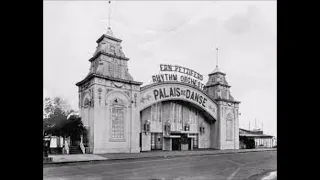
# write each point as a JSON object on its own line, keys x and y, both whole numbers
{"x": 86, "y": 110}
{"x": 265, "y": 142}
{"x": 224, "y": 111}
{"x": 146, "y": 138}
{"x": 214, "y": 135}
{"x": 103, "y": 124}
{"x": 204, "y": 139}
{"x": 97, "y": 116}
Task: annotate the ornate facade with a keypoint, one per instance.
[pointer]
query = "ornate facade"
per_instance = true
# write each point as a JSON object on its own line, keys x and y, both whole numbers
{"x": 121, "y": 116}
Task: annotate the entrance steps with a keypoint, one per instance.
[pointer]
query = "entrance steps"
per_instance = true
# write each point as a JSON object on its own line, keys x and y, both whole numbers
{"x": 75, "y": 150}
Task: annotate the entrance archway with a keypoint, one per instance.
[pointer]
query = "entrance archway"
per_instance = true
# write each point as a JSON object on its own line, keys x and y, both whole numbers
{"x": 190, "y": 113}
{"x": 167, "y": 91}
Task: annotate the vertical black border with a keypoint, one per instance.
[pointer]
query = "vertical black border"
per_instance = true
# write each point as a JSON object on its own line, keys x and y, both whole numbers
{"x": 22, "y": 68}
{"x": 296, "y": 137}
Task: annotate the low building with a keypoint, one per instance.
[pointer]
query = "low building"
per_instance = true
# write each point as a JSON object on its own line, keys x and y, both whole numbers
{"x": 260, "y": 140}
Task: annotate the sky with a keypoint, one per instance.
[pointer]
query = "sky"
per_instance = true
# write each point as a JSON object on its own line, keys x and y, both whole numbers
{"x": 170, "y": 32}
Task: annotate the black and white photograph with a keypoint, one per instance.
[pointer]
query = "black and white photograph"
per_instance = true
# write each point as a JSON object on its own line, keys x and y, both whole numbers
{"x": 159, "y": 90}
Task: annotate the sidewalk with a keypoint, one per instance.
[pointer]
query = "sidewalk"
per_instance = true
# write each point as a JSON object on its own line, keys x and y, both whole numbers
{"x": 73, "y": 158}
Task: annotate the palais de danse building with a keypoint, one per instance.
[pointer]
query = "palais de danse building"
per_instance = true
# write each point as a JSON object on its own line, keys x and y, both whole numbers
{"x": 175, "y": 112}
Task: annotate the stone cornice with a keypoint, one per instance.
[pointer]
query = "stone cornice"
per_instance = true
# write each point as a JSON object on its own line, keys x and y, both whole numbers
{"x": 227, "y": 100}
{"x": 109, "y": 37}
{"x": 218, "y": 83}
{"x": 108, "y": 54}
{"x": 90, "y": 76}
{"x": 217, "y": 73}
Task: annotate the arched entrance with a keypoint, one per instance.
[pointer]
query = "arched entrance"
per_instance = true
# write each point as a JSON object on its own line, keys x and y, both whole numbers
{"x": 176, "y": 116}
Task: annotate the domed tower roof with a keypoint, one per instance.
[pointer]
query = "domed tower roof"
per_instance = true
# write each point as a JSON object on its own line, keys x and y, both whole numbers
{"x": 216, "y": 71}
{"x": 109, "y": 60}
{"x": 217, "y": 86}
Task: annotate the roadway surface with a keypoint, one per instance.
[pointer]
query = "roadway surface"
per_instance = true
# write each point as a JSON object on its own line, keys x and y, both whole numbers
{"x": 251, "y": 165}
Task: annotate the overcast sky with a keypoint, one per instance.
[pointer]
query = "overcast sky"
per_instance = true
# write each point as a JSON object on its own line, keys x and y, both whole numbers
{"x": 180, "y": 32}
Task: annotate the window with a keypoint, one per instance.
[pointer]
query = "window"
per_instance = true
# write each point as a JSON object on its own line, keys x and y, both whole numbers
{"x": 176, "y": 113}
{"x": 229, "y": 127}
{"x": 116, "y": 71}
{"x": 192, "y": 115}
{"x": 173, "y": 111}
{"x": 153, "y": 112}
{"x": 156, "y": 112}
{"x": 117, "y": 123}
{"x": 197, "y": 117}
{"x": 112, "y": 49}
{"x": 179, "y": 113}
{"x": 159, "y": 111}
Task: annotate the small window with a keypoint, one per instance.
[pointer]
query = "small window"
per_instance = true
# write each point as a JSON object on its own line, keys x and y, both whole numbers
{"x": 112, "y": 49}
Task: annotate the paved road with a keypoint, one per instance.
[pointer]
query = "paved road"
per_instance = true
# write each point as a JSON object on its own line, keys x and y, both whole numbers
{"x": 253, "y": 165}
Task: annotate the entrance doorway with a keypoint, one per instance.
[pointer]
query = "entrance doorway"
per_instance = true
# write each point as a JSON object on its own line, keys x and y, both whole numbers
{"x": 176, "y": 144}
{"x": 156, "y": 141}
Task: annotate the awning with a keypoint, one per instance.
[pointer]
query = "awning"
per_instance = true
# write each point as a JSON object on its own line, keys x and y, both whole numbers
{"x": 174, "y": 136}
{"x": 192, "y": 136}
{"x": 256, "y": 135}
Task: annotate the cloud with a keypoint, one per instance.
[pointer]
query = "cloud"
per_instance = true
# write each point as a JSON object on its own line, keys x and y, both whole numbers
{"x": 241, "y": 23}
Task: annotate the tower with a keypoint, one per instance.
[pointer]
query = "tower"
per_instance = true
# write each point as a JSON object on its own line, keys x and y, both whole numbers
{"x": 218, "y": 88}
{"x": 108, "y": 98}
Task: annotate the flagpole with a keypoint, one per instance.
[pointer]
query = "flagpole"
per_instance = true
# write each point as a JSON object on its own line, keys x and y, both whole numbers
{"x": 217, "y": 48}
{"x": 109, "y": 17}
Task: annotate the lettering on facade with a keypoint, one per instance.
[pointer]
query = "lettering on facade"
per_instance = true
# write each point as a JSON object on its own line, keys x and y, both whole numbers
{"x": 180, "y": 69}
{"x": 174, "y": 77}
{"x": 162, "y": 93}
{"x": 188, "y": 76}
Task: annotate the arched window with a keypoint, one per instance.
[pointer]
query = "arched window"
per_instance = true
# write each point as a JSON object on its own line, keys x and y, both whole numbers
{"x": 117, "y": 119}
{"x": 229, "y": 127}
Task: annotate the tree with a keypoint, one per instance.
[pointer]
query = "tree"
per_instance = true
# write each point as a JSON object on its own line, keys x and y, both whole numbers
{"x": 55, "y": 116}
{"x": 59, "y": 120}
{"x": 73, "y": 128}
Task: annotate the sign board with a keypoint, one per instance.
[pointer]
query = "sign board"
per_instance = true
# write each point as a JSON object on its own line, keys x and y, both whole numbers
{"x": 187, "y": 75}
{"x": 177, "y": 91}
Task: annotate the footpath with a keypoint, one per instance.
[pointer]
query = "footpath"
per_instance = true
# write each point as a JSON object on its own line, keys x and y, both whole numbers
{"x": 75, "y": 158}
